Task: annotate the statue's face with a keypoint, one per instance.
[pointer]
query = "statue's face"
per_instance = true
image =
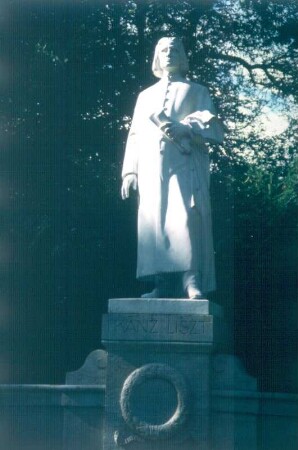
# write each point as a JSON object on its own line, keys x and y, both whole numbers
{"x": 169, "y": 56}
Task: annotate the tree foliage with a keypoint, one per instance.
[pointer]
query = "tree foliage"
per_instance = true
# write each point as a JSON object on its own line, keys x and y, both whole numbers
{"x": 74, "y": 70}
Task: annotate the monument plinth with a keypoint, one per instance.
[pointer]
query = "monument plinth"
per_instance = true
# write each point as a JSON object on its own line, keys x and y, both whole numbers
{"x": 158, "y": 386}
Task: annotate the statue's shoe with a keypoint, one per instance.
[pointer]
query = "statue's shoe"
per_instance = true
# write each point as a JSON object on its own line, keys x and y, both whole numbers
{"x": 194, "y": 293}
{"x": 153, "y": 294}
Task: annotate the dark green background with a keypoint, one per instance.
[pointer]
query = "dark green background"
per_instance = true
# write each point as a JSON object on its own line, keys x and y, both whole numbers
{"x": 69, "y": 242}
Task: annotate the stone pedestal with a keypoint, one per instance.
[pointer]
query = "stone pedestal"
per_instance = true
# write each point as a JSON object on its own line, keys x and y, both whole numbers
{"x": 158, "y": 375}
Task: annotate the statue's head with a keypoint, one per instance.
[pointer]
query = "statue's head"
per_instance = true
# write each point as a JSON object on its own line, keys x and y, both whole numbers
{"x": 169, "y": 56}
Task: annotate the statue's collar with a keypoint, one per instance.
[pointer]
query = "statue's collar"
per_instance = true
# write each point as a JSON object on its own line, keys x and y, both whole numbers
{"x": 171, "y": 77}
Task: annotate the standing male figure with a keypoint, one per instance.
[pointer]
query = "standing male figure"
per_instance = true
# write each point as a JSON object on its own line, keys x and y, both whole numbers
{"x": 167, "y": 160}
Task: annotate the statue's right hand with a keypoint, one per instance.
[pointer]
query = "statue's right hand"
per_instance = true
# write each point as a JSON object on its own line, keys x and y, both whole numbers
{"x": 129, "y": 181}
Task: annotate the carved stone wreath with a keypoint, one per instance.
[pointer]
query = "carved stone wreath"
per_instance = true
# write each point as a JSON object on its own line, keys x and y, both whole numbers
{"x": 141, "y": 375}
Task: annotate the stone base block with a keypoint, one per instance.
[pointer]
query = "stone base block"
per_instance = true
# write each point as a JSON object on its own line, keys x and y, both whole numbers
{"x": 164, "y": 306}
{"x": 157, "y": 400}
{"x": 158, "y": 375}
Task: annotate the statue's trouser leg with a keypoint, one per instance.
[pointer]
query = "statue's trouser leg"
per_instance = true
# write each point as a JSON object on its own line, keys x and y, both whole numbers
{"x": 164, "y": 284}
{"x": 168, "y": 285}
{"x": 191, "y": 284}
{"x": 163, "y": 287}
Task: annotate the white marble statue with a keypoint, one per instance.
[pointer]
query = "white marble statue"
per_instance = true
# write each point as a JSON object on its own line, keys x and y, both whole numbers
{"x": 167, "y": 160}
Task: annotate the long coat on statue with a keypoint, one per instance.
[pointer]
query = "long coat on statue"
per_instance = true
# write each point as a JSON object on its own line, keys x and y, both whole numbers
{"x": 174, "y": 216}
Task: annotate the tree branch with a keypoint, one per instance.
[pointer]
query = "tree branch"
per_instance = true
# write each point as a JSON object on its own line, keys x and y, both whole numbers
{"x": 250, "y": 67}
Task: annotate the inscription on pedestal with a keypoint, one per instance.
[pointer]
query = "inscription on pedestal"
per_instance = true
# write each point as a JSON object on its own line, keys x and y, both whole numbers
{"x": 158, "y": 327}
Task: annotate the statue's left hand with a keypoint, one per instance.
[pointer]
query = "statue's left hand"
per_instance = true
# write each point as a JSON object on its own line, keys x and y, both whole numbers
{"x": 177, "y": 130}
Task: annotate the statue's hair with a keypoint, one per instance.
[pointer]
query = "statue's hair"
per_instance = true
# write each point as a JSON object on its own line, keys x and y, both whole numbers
{"x": 156, "y": 69}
